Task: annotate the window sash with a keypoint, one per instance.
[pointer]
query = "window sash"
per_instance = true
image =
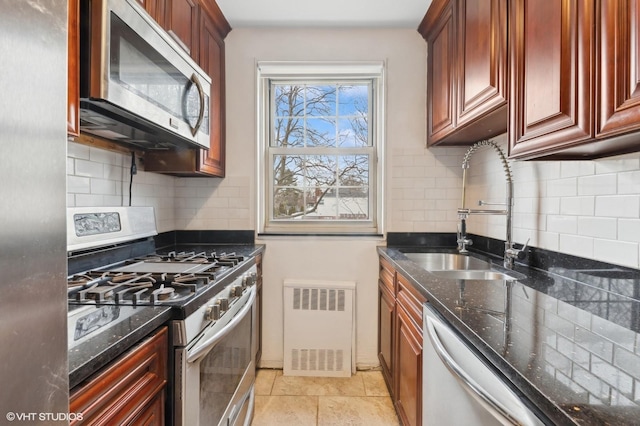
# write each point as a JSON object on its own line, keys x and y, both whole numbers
{"x": 270, "y": 75}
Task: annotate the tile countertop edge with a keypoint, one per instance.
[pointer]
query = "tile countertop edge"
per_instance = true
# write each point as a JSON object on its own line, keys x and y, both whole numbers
{"x": 92, "y": 355}
{"x": 541, "y": 402}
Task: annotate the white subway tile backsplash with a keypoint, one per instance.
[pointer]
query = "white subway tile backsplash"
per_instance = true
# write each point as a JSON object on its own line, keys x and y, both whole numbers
{"x": 89, "y": 169}
{"x": 616, "y": 252}
{"x": 598, "y": 227}
{"x": 627, "y": 206}
{"x": 103, "y": 187}
{"x": 629, "y": 182}
{"x": 598, "y": 184}
{"x": 629, "y": 230}
{"x": 582, "y": 206}
{"x": 562, "y": 187}
{"x": 562, "y": 224}
{"x": 577, "y": 168}
{"x": 618, "y": 164}
{"x": 78, "y": 185}
{"x": 576, "y": 245}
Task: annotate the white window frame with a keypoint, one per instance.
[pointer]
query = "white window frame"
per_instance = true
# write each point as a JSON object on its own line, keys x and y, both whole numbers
{"x": 313, "y": 72}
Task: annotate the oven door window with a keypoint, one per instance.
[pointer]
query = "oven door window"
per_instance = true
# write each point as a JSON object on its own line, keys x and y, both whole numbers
{"x": 138, "y": 67}
{"x": 221, "y": 371}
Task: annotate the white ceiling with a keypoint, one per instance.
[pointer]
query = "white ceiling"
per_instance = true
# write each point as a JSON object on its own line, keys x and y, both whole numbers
{"x": 324, "y": 13}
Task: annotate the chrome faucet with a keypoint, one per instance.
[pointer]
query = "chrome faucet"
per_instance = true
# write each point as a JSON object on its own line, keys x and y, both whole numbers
{"x": 510, "y": 252}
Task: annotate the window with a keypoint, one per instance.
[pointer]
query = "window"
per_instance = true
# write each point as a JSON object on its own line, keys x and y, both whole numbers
{"x": 320, "y": 134}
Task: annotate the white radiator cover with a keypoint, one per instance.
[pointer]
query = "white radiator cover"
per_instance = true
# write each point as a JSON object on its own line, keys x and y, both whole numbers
{"x": 319, "y": 328}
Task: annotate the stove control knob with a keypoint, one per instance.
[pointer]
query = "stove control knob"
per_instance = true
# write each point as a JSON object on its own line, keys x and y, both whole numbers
{"x": 224, "y": 304}
{"x": 245, "y": 281}
{"x": 213, "y": 312}
{"x": 236, "y": 291}
{"x": 254, "y": 278}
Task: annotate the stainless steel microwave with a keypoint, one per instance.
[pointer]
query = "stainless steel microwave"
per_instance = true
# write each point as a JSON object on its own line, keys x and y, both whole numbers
{"x": 138, "y": 87}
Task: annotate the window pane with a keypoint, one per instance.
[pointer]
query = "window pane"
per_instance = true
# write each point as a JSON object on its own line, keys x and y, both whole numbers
{"x": 288, "y": 170}
{"x": 321, "y": 187}
{"x": 354, "y": 100}
{"x": 321, "y": 132}
{"x": 322, "y": 166}
{"x": 288, "y": 132}
{"x": 353, "y": 170}
{"x": 288, "y": 100}
{"x": 320, "y": 170}
{"x": 321, "y": 101}
{"x": 353, "y": 203}
{"x": 287, "y": 203}
{"x": 353, "y": 132}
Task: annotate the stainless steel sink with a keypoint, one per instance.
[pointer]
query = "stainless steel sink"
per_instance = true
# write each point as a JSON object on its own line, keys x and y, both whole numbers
{"x": 479, "y": 275}
{"x": 457, "y": 266}
{"x": 447, "y": 261}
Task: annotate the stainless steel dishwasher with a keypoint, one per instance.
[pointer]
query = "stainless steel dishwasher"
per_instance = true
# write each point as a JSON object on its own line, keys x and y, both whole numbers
{"x": 458, "y": 387}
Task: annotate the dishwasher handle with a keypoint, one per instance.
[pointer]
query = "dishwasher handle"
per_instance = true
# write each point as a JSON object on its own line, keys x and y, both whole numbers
{"x": 489, "y": 401}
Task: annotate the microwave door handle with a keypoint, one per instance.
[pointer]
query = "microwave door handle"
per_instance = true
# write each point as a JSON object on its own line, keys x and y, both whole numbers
{"x": 202, "y": 96}
{"x": 468, "y": 383}
{"x": 203, "y": 348}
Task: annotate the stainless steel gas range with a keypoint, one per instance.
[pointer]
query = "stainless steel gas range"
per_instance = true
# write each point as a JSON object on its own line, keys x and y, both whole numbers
{"x": 212, "y": 294}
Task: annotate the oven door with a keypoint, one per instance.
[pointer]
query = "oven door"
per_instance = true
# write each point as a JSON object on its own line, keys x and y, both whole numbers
{"x": 216, "y": 372}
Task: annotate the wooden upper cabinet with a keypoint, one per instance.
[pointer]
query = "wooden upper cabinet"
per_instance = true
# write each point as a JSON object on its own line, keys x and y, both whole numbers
{"x": 466, "y": 70}
{"x": 482, "y": 63}
{"x": 551, "y": 54}
{"x": 438, "y": 29}
{"x": 73, "y": 70}
{"x": 212, "y": 161}
{"x": 575, "y": 78}
{"x": 212, "y": 28}
{"x": 181, "y": 22}
{"x": 618, "y": 65}
{"x": 155, "y": 9}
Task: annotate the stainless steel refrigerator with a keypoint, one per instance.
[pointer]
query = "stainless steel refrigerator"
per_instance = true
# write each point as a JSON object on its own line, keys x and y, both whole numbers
{"x": 33, "y": 145}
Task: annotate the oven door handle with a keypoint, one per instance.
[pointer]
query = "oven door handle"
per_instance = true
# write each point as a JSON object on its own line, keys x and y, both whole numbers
{"x": 203, "y": 348}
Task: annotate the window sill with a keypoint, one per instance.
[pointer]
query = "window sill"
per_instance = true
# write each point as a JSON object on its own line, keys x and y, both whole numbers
{"x": 311, "y": 234}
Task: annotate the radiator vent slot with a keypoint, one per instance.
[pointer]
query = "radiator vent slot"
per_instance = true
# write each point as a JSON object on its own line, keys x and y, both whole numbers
{"x": 318, "y": 299}
{"x": 319, "y": 328}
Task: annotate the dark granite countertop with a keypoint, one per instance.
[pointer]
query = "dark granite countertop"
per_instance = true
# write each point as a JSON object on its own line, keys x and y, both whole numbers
{"x": 93, "y": 354}
{"x": 565, "y": 337}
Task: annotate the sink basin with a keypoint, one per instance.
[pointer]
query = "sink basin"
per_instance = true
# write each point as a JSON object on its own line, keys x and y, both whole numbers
{"x": 479, "y": 275}
{"x": 447, "y": 261}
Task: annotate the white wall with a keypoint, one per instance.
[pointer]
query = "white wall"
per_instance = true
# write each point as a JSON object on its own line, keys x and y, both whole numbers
{"x": 415, "y": 176}
{"x": 590, "y": 208}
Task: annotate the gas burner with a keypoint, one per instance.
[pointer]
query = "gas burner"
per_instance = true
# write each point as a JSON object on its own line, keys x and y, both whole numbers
{"x": 228, "y": 259}
{"x": 135, "y": 288}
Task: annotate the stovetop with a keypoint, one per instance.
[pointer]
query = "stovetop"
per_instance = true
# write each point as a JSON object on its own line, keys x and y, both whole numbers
{"x": 172, "y": 278}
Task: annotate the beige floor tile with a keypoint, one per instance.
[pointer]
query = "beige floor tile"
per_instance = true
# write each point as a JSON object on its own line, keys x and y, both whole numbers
{"x": 264, "y": 381}
{"x": 352, "y": 411}
{"x": 374, "y": 384}
{"x": 298, "y": 385}
{"x": 285, "y": 410}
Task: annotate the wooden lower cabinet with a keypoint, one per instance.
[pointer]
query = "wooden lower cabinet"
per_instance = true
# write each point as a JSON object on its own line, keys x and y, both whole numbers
{"x": 400, "y": 342}
{"x": 408, "y": 369}
{"x": 386, "y": 320}
{"x": 129, "y": 391}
